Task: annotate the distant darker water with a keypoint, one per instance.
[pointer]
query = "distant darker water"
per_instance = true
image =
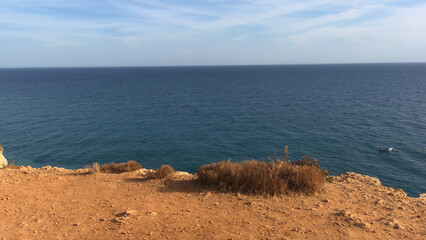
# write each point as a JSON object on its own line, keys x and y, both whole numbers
{"x": 191, "y": 116}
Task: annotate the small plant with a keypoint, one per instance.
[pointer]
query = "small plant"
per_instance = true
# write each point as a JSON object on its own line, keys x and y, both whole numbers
{"x": 164, "y": 172}
{"x": 286, "y": 153}
{"x": 275, "y": 157}
{"x": 12, "y": 165}
{"x": 95, "y": 168}
{"x": 130, "y": 166}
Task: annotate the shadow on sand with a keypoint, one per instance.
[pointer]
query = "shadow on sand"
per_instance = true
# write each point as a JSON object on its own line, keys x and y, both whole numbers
{"x": 170, "y": 185}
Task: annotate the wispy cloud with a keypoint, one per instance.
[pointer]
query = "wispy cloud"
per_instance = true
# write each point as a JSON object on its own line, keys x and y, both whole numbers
{"x": 283, "y": 24}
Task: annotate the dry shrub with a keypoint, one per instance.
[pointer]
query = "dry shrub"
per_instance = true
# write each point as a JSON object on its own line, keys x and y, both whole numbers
{"x": 163, "y": 172}
{"x": 313, "y": 162}
{"x": 95, "y": 168}
{"x": 264, "y": 178}
{"x": 130, "y": 166}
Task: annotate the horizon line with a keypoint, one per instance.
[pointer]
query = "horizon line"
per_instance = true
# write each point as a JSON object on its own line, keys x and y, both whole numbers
{"x": 212, "y": 65}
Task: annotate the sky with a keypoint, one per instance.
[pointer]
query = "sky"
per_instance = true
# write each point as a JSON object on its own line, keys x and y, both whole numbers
{"x": 96, "y": 33}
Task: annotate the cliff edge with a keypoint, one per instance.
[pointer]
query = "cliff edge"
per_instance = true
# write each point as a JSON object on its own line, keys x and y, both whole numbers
{"x": 56, "y": 203}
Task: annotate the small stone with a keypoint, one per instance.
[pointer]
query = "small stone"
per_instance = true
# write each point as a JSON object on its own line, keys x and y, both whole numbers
{"x": 207, "y": 194}
{"x": 152, "y": 214}
{"x": 127, "y": 213}
{"x": 398, "y": 226}
{"x": 395, "y": 224}
{"x": 131, "y": 212}
{"x": 118, "y": 220}
{"x": 23, "y": 224}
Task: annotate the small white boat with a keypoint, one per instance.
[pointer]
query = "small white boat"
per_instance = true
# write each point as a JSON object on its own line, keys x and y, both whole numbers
{"x": 388, "y": 149}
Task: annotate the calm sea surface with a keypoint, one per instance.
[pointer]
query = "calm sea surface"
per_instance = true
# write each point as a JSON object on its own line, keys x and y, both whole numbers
{"x": 191, "y": 116}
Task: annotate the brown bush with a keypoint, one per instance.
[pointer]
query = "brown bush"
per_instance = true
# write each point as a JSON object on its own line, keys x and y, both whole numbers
{"x": 130, "y": 166}
{"x": 163, "y": 172}
{"x": 312, "y": 162}
{"x": 264, "y": 178}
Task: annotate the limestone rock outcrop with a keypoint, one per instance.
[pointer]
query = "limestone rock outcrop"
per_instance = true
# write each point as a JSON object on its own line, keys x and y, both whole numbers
{"x": 351, "y": 177}
{"x": 3, "y": 161}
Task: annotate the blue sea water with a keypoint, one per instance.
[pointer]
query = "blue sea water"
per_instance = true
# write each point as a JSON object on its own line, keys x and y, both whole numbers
{"x": 191, "y": 116}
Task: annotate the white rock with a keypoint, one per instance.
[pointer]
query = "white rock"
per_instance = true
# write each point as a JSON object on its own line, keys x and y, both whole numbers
{"x": 3, "y": 161}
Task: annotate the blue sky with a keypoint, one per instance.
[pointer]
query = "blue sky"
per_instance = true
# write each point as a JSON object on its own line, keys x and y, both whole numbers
{"x": 56, "y": 33}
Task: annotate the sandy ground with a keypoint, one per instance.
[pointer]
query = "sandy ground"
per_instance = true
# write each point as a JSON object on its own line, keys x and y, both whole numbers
{"x": 52, "y": 203}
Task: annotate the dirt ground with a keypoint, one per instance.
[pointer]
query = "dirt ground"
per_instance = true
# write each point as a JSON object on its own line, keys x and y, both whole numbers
{"x": 54, "y": 203}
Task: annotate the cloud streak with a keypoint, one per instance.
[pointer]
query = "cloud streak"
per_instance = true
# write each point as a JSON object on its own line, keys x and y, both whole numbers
{"x": 195, "y": 26}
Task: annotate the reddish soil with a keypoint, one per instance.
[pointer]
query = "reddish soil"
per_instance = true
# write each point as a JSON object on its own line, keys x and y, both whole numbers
{"x": 53, "y": 203}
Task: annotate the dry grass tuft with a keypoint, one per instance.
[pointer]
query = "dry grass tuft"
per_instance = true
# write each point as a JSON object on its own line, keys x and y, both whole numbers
{"x": 95, "y": 168}
{"x": 264, "y": 178}
{"x": 130, "y": 166}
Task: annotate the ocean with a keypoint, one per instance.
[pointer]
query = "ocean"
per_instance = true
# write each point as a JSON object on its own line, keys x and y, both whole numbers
{"x": 191, "y": 116}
